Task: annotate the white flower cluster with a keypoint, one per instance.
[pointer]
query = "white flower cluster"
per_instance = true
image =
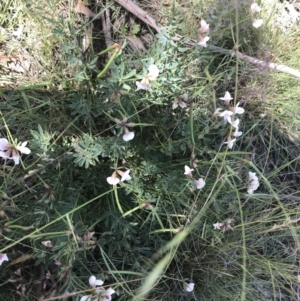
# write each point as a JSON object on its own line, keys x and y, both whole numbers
{"x": 127, "y": 134}
{"x": 144, "y": 84}
{"x": 228, "y": 115}
{"x": 103, "y": 294}
{"x": 202, "y": 38}
{"x": 114, "y": 180}
{"x": 180, "y": 101}
{"x": 253, "y": 184}
{"x": 200, "y": 183}
{"x": 256, "y": 9}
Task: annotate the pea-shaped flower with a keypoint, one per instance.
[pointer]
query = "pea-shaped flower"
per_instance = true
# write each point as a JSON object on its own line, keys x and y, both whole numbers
{"x": 190, "y": 287}
{"x": 113, "y": 180}
{"x": 9, "y": 151}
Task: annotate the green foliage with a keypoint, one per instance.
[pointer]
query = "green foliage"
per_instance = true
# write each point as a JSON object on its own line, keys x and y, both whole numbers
{"x": 60, "y": 219}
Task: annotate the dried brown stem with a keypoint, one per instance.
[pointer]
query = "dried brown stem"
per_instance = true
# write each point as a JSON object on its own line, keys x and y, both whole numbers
{"x": 105, "y": 19}
{"x": 139, "y": 13}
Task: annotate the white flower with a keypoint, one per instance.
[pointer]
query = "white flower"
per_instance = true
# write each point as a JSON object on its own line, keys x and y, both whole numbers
{"x": 94, "y": 282}
{"x": 190, "y": 287}
{"x": 113, "y": 180}
{"x": 217, "y": 226}
{"x": 85, "y": 298}
{"x": 153, "y": 72}
{"x": 124, "y": 175}
{"x": 9, "y": 151}
{"x": 47, "y": 243}
{"x": 257, "y": 23}
{"x": 142, "y": 86}
{"x": 200, "y": 183}
{"x": 227, "y": 97}
{"x": 188, "y": 171}
{"x": 178, "y": 102}
{"x": 253, "y": 182}
{"x": 128, "y": 135}
{"x": 235, "y": 123}
{"x": 230, "y": 142}
{"x": 204, "y": 26}
{"x": 252, "y": 176}
{"x": 237, "y": 109}
{"x": 237, "y": 133}
{"x": 3, "y": 257}
{"x": 216, "y": 112}
{"x": 255, "y": 8}
{"x": 107, "y": 295}
{"x": 202, "y": 41}
{"x": 226, "y": 115}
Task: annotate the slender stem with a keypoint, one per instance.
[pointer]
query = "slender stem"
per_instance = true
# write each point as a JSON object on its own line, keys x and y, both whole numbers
{"x": 117, "y": 49}
{"x": 117, "y": 200}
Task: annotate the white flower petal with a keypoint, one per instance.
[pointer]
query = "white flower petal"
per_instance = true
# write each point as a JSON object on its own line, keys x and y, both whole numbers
{"x": 190, "y": 287}
{"x": 237, "y": 109}
{"x": 175, "y": 104}
{"x": 202, "y": 41}
{"x": 230, "y": 143}
{"x": 237, "y": 133}
{"x": 153, "y": 72}
{"x": 217, "y": 226}
{"x": 16, "y": 157}
{"x": 85, "y": 298}
{"x": 47, "y": 243}
{"x": 142, "y": 86}
{"x": 3, "y": 257}
{"x": 24, "y": 150}
{"x": 257, "y": 23}
{"x": 94, "y": 282}
{"x": 227, "y": 97}
{"x": 255, "y": 8}
{"x": 128, "y": 136}
{"x": 4, "y": 155}
{"x": 224, "y": 113}
{"x": 216, "y": 112}
{"x": 113, "y": 180}
{"x": 187, "y": 170}
{"x": 204, "y": 26}
{"x": 4, "y": 145}
{"x": 253, "y": 182}
{"x": 182, "y": 104}
{"x": 235, "y": 123}
{"x": 200, "y": 183}
{"x": 109, "y": 292}
{"x": 252, "y": 176}
{"x": 126, "y": 176}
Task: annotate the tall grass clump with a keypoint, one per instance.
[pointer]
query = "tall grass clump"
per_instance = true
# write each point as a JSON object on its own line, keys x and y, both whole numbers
{"x": 166, "y": 175}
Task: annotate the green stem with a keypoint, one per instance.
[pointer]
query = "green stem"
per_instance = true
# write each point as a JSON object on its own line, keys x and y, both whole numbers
{"x": 107, "y": 50}
{"x": 191, "y": 124}
{"x": 117, "y": 200}
{"x": 102, "y": 73}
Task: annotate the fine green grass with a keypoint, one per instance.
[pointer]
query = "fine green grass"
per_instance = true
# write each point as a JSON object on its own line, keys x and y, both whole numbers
{"x": 149, "y": 237}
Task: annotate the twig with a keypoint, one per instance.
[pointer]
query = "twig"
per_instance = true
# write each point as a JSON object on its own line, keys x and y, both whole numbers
{"x": 145, "y": 17}
{"x": 140, "y": 13}
{"x": 81, "y": 8}
{"x": 105, "y": 19}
